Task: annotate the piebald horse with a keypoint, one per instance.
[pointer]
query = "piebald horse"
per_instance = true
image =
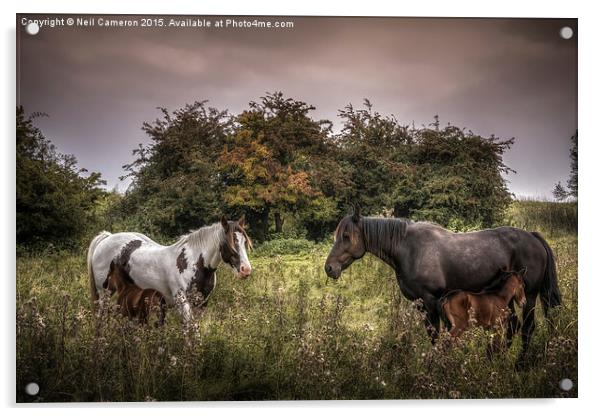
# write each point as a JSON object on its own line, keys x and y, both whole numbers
{"x": 177, "y": 271}
{"x": 430, "y": 261}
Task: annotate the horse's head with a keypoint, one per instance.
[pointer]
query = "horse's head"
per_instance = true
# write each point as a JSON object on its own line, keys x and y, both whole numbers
{"x": 348, "y": 245}
{"x": 233, "y": 248}
{"x": 518, "y": 281}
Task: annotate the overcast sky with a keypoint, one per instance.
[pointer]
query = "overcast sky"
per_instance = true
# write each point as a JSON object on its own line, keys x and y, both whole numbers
{"x": 508, "y": 77}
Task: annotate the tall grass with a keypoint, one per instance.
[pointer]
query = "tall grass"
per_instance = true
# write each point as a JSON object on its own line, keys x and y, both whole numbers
{"x": 549, "y": 218}
{"x": 286, "y": 333}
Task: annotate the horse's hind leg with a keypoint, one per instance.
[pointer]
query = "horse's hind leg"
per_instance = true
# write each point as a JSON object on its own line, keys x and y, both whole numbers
{"x": 527, "y": 329}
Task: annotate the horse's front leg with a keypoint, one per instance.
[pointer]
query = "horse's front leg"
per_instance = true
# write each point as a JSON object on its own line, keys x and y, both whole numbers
{"x": 183, "y": 307}
{"x": 432, "y": 318}
{"x": 191, "y": 328}
{"x": 513, "y": 325}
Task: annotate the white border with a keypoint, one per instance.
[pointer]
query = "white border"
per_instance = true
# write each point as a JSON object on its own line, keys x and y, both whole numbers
{"x": 590, "y": 153}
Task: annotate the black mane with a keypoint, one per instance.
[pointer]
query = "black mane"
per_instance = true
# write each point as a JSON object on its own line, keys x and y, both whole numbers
{"x": 383, "y": 235}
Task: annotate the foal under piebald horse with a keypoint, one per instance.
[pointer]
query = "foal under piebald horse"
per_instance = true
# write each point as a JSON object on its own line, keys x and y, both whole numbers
{"x": 430, "y": 261}
{"x": 135, "y": 302}
{"x": 178, "y": 271}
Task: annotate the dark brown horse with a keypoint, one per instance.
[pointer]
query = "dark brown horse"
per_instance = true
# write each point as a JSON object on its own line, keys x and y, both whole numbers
{"x": 430, "y": 261}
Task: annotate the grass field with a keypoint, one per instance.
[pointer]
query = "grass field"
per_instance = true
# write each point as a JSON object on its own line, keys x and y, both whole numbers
{"x": 286, "y": 333}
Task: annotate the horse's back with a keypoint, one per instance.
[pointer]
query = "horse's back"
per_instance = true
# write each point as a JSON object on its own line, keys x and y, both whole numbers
{"x": 445, "y": 260}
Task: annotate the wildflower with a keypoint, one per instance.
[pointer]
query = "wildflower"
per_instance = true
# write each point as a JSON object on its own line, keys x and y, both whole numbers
{"x": 173, "y": 360}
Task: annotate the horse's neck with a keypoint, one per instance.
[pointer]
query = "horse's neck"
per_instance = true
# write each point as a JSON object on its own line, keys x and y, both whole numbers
{"x": 385, "y": 255}
{"x": 388, "y": 253}
{"x": 207, "y": 247}
{"x": 507, "y": 292}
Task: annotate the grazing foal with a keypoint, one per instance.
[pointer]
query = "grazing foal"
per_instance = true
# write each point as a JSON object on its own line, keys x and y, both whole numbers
{"x": 133, "y": 301}
{"x": 489, "y": 309}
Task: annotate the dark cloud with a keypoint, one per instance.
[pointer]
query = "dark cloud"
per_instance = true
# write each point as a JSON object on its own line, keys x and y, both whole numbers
{"x": 508, "y": 77}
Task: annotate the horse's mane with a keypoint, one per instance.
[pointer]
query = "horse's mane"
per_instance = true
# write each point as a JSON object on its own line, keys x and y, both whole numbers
{"x": 383, "y": 235}
{"x": 201, "y": 237}
{"x": 210, "y": 235}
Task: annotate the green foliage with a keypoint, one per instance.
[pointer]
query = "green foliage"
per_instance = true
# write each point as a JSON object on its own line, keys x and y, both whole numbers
{"x": 176, "y": 182}
{"x": 457, "y": 178}
{"x": 448, "y": 176}
{"x": 283, "y": 169}
{"x": 56, "y": 203}
{"x": 288, "y": 332}
{"x": 373, "y": 149}
{"x": 284, "y": 246}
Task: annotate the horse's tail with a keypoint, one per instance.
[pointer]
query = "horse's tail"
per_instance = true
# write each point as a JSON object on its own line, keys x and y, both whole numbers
{"x": 549, "y": 292}
{"x": 93, "y": 245}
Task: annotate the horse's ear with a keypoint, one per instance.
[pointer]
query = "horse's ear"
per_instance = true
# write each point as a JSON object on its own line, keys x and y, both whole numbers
{"x": 523, "y": 272}
{"x": 355, "y": 214}
{"x": 224, "y": 222}
{"x": 242, "y": 221}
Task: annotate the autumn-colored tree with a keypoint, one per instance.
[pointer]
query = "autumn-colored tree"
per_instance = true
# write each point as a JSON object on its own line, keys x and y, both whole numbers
{"x": 278, "y": 161}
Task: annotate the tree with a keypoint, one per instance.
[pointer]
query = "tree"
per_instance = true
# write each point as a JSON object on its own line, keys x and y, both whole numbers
{"x": 572, "y": 182}
{"x": 456, "y": 178}
{"x": 447, "y": 175}
{"x": 176, "y": 183}
{"x": 278, "y": 165}
{"x": 559, "y": 192}
{"x": 373, "y": 149}
{"x": 55, "y": 199}
{"x": 277, "y": 162}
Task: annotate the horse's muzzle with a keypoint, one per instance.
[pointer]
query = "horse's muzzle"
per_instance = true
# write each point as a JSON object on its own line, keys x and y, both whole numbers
{"x": 244, "y": 271}
{"x": 333, "y": 272}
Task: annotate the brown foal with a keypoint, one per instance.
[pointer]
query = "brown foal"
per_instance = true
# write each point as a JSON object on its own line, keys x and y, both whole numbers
{"x": 133, "y": 301}
{"x": 489, "y": 309}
